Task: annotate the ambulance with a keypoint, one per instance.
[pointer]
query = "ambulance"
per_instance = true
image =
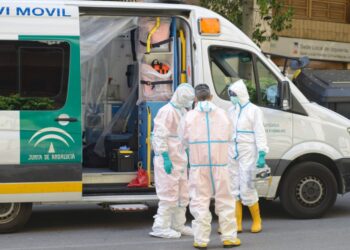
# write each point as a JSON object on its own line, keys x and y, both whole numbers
{"x": 80, "y": 82}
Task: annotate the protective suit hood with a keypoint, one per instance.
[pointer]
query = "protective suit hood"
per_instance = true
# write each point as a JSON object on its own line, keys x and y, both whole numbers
{"x": 241, "y": 91}
{"x": 183, "y": 96}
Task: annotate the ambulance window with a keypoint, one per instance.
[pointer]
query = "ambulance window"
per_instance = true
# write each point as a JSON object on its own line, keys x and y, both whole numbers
{"x": 229, "y": 65}
{"x": 33, "y": 75}
{"x": 268, "y": 86}
{"x": 8, "y": 69}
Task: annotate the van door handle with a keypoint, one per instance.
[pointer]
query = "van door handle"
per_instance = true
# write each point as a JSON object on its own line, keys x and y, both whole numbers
{"x": 69, "y": 119}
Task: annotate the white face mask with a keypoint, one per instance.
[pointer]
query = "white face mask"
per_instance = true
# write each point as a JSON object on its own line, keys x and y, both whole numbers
{"x": 189, "y": 104}
{"x": 234, "y": 99}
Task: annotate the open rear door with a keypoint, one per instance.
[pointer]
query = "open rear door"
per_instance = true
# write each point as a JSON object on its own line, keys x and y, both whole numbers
{"x": 40, "y": 103}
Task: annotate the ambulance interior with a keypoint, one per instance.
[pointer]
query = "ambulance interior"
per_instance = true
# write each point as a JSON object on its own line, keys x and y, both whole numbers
{"x": 130, "y": 67}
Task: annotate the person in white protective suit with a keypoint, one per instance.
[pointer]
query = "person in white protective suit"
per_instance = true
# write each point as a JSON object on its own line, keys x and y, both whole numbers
{"x": 247, "y": 152}
{"x": 170, "y": 166}
{"x": 206, "y": 131}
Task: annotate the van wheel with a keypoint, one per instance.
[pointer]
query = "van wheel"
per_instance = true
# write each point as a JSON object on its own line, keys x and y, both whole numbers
{"x": 13, "y": 216}
{"x": 308, "y": 190}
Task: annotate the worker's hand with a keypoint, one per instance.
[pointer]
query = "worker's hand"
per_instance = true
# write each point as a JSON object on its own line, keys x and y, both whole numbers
{"x": 261, "y": 160}
{"x": 188, "y": 157}
{"x": 168, "y": 166}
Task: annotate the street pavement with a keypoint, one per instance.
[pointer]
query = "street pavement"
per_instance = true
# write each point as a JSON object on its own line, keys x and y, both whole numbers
{"x": 89, "y": 227}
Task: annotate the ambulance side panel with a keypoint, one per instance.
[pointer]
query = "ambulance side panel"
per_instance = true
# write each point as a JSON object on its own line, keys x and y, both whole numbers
{"x": 40, "y": 111}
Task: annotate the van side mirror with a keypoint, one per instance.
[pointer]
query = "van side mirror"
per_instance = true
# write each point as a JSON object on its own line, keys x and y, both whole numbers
{"x": 285, "y": 95}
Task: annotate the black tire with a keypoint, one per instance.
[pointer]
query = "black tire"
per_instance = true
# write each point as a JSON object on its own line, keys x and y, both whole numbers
{"x": 308, "y": 190}
{"x": 13, "y": 216}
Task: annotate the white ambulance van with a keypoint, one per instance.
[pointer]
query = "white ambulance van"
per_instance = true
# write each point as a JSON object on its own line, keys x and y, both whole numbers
{"x": 77, "y": 79}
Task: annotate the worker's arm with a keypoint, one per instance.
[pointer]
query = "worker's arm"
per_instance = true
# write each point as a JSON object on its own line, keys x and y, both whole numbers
{"x": 259, "y": 131}
{"x": 161, "y": 132}
{"x": 183, "y": 132}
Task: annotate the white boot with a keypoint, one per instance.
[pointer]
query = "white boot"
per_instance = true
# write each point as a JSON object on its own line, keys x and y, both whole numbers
{"x": 185, "y": 230}
{"x": 162, "y": 221}
{"x": 165, "y": 233}
{"x": 179, "y": 220}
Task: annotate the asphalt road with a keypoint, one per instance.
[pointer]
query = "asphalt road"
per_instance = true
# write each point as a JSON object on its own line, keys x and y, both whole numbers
{"x": 90, "y": 227}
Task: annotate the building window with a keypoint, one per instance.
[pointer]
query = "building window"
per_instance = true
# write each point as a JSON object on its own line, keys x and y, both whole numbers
{"x": 320, "y": 10}
{"x": 33, "y": 75}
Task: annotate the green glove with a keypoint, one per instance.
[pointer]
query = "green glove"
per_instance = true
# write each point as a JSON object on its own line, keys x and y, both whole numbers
{"x": 168, "y": 166}
{"x": 261, "y": 160}
{"x": 188, "y": 158}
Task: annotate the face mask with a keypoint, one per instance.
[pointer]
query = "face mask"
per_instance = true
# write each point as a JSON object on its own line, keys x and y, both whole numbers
{"x": 189, "y": 104}
{"x": 234, "y": 99}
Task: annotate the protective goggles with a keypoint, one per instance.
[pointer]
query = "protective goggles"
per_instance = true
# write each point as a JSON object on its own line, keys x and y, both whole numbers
{"x": 231, "y": 93}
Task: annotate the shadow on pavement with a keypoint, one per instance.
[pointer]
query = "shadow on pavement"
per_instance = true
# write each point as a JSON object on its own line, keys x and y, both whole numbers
{"x": 80, "y": 217}
{"x": 84, "y": 217}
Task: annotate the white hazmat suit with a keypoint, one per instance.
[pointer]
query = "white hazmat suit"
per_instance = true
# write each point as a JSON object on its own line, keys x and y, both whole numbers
{"x": 207, "y": 131}
{"x": 170, "y": 166}
{"x": 249, "y": 142}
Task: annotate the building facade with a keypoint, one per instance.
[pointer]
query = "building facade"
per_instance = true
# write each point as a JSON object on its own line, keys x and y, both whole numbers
{"x": 321, "y": 31}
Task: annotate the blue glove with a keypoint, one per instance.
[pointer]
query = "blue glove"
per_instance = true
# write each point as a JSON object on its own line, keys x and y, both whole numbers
{"x": 261, "y": 160}
{"x": 168, "y": 166}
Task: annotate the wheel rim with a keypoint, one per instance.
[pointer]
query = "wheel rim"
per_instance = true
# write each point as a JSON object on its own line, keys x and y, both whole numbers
{"x": 8, "y": 212}
{"x": 310, "y": 191}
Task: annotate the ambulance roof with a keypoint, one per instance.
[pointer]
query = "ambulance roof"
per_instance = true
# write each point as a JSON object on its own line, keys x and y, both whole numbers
{"x": 229, "y": 32}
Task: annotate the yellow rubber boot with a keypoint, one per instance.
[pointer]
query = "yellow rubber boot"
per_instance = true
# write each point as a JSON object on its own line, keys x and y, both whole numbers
{"x": 200, "y": 245}
{"x": 230, "y": 243}
{"x": 239, "y": 215}
{"x": 255, "y": 212}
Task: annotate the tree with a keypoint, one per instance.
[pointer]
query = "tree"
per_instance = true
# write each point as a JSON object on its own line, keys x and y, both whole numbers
{"x": 274, "y": 14}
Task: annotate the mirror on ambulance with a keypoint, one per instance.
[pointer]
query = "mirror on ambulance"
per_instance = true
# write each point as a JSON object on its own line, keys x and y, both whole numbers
{"x": 245, "y": 58}
{"x": 285, "y": 95}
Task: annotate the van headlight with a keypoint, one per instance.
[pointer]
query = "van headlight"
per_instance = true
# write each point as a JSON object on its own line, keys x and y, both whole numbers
{"x": 348, "y": 130}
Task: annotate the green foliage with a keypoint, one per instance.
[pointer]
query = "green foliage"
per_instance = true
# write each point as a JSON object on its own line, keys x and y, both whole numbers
{"x": 251, "y": 91}
{"x": 233, "y": 9}
{"x": 281, "y": 19}
{"x": 15, "y": 102}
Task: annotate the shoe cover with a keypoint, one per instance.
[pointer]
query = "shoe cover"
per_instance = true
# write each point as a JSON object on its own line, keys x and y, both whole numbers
{"x": 179, "y": 220}
{"x": 165, "y": 233}
{"x": 200, "y": 245}
{"x": 186, "y": 231}
{"x": 232, "y": 243}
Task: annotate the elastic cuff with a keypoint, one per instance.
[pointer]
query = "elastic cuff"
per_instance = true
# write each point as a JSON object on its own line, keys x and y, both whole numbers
{"x": 251, "y": 203}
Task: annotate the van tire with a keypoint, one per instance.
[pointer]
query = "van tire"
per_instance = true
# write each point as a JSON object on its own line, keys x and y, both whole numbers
{"x": 13, "y": 216}
{"x": 308, "y": 190}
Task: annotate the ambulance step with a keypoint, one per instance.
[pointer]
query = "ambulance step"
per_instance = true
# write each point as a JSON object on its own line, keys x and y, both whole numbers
{"x": 120, "y": 199}
{"x": 128, "y": 207}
